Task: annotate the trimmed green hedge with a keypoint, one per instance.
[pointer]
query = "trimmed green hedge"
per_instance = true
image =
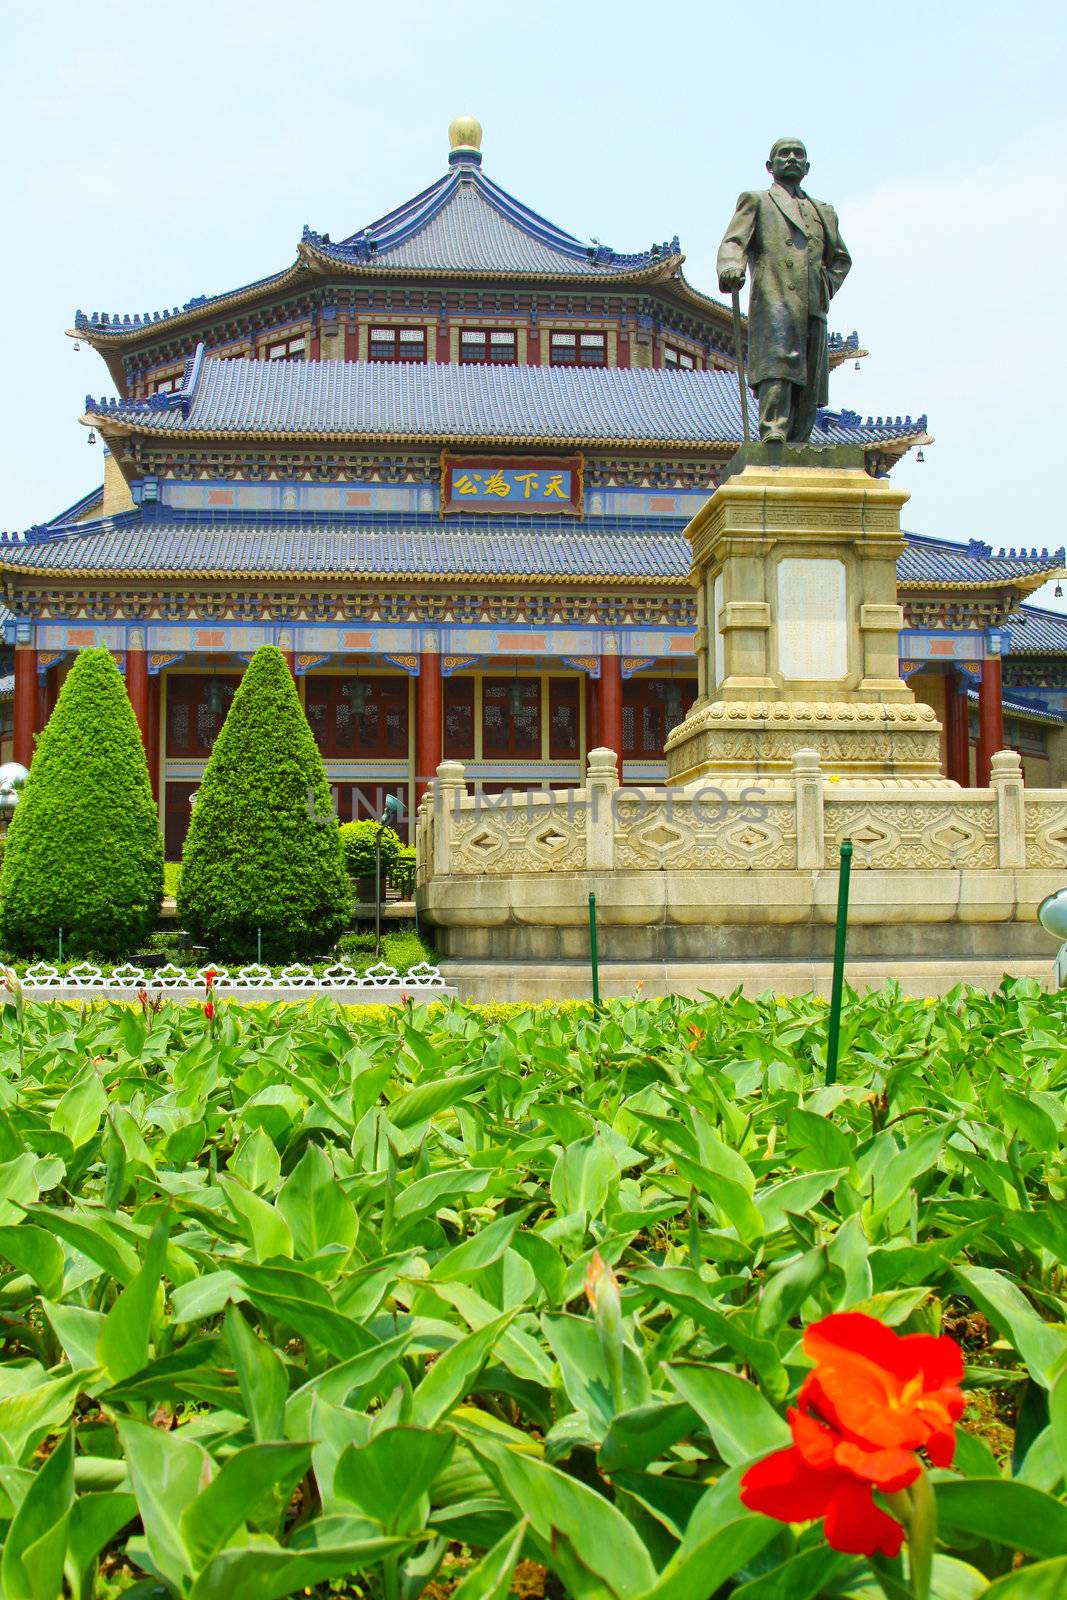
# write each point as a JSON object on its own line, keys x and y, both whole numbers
{"x": 84, "y": 851}
{"x": 358, "y": 839}
{"x": 264, "y": 848}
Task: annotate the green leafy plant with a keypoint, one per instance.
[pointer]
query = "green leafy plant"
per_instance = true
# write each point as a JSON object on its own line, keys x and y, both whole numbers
{"x": 263, "y": 849}
{"x": 360, "y": 840}
{"x": 402, "y": 873}
{"x": 394, "y": 1299}
{"x": 84, "y": 851}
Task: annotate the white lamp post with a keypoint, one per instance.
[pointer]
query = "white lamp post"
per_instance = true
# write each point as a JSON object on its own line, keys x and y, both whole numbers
{"x": 1052, "y": 915}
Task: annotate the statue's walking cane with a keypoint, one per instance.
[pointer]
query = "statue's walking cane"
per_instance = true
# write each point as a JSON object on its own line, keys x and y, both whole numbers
{"x": 735, "y": 295}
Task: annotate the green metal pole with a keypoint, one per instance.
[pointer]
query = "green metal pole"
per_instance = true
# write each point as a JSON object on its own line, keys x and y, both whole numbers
{"x": 378, "y": 893}
{"x": 259, "y": 946}
{"x": 61, "y": 944}
{"x": 593, "y": 952}
{"x": 833, "y": 1038}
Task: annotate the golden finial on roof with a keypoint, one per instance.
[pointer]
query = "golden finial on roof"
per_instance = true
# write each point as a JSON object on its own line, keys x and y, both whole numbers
{"x": 465, "y": 133}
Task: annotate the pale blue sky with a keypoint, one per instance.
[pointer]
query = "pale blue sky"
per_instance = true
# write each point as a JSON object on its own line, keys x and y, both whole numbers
{"x": 160, "y": 151}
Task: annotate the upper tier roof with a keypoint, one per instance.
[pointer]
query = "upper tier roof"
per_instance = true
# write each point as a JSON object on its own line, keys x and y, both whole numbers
{"x": 402, "y": 401}
{"x": 464, "y": 225}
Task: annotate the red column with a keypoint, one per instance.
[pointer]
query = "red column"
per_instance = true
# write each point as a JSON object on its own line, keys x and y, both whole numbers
{"x": 592, "y": 715}
{"x": 990, "y": 718}
{"x": 957, "y": 731}
{"x": 153, "y": 734}
{"x": 427, "y": 721}
{"x": 610, "y": 730}
{"x": 137, "y": 689}
{"x": 290, "y": 660}
{"x": 44, "y": 703}
{"x": 533, "y": 344}
{"x": 351, "y": 339}
{"x": 442, "y": 345}
{"x": 25, "y": 703}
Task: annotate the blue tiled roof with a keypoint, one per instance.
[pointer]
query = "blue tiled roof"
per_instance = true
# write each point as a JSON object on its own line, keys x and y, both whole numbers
{"x": 467, "y": 223}
{"x": 322, "y": 548}
{"x": 462, "y": 223}
{"x": 123, "y": 322}
{"x": 480, "y": 403}
{"x": 509, "y": 548}
{"x": 940, "y": 562}
{"x": 155, "y": 544}
{"x": 1036, "y": 632}
{"x": 1020, "y": 708}
{"x": 78, "y": 509}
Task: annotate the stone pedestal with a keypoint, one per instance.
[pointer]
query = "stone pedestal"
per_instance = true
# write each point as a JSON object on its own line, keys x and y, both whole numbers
{"x": 794, "y": 561}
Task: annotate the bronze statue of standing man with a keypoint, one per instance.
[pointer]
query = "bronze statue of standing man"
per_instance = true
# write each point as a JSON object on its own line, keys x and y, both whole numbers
{"x": 794, "y": 250}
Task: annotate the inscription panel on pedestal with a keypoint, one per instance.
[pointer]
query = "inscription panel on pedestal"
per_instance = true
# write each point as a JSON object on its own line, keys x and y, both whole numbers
{"x": 812, "y": 619}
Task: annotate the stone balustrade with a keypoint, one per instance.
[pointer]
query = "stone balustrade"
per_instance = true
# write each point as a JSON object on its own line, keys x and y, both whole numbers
{"x": 783, "y": 824}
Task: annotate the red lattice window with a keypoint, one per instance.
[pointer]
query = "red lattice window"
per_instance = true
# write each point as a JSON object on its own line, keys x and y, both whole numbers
{"x": 511, "y": 718}
{"x": 568, "y": 348}
{"x": 397, "y": 344}
{"x": 459, "y": 719}
{"x": 651, "y": 707}
{"x": 495, "y": 346}
{"x": 294, "y": 349}
{"x": 196, "y": 709}
{"x": 564, "y": 717}
{"x": 357, "y": 716}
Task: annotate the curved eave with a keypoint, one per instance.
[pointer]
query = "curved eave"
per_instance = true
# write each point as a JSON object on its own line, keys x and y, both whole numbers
{"x": 1023, "y": 582}
{"x": 703, "y": 302}
{"x": 839, "y": 357}
{"x": 97, "y": 575}
{"x": 123, "y": 428}
{"x": 321, "y": 261}
{"x": 104, "y": 339}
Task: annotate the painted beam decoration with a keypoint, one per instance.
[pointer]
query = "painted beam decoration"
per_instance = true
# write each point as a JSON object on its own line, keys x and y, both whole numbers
{"x": 535, "y": 484}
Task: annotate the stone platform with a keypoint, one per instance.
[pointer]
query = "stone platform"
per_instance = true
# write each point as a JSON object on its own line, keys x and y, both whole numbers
{"x": 706, "y": 885}
{"x": 803, "y": 736}
{"x": 531, "y": 982}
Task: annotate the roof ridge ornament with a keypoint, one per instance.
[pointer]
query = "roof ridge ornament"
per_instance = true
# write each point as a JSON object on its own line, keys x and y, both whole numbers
{"x": 465, "y": 141}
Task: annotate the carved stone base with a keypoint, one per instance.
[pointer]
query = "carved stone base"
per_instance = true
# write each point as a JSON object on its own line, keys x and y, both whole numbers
{"x": 854, "y": 739}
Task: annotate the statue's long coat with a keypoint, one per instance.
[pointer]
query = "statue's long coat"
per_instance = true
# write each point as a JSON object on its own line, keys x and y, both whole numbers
{"x": 766, "y": 239}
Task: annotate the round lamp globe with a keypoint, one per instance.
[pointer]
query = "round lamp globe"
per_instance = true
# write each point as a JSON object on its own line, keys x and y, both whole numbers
{"x": 1052, "y": 914}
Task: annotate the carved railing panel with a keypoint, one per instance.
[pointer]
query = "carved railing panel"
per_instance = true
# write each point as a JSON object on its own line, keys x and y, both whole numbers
{"x": 936, "y": 832}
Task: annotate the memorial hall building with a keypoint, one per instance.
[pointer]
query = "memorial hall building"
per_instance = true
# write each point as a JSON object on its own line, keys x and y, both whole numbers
{"x": 446, "y": 464}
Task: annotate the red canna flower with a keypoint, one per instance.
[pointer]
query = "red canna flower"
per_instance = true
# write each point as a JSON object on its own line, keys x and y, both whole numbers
{"x": 209, "y": 976}
{"x": 873, "y": 1399}
{"x": 807, "y": 1481}
{"x": 209, "y": 1010}
{"x": 885, "y": 1390}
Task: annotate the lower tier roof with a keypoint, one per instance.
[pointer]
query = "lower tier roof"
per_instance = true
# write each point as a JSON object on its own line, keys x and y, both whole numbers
{"x": 154, "y": 547}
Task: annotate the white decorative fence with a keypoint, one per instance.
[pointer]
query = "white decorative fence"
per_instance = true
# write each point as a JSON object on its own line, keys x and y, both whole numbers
{"x": 377, "y": 985}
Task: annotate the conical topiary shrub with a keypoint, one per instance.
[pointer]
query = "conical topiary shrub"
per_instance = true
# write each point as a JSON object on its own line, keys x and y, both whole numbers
{"x": 84, "y": 852}
{"x": 263, "y": 849}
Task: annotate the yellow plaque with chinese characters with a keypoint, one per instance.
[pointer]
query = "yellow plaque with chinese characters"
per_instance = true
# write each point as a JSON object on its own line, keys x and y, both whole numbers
{"x": 518, "y": 484}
